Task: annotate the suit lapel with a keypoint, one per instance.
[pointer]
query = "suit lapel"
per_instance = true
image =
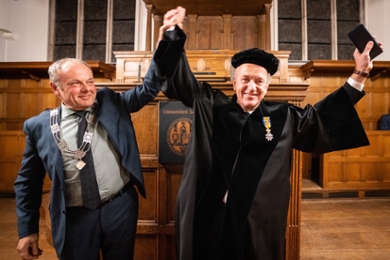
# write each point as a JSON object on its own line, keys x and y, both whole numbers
{"x": 55, "y": 151}
{"x": 108, "y": 119}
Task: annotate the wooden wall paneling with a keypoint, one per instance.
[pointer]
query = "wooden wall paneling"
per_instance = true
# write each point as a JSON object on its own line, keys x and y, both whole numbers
{"x": 3, "y": 106}
{"x": 382, "y": 101}
{"x": 306, "y": 165}
{"x": 378, "y": 92}
{"x": 2, "y": 113}
{"x": 244, "y": 32}
{"x": 12, "y": 142}
{"x": 169, "y": 183}
{"x": 148, "y": 226}
{"x": 3, "y": 109}
{"x": 172, "y": 175}
{"x": 155, "y": 233}
{"x": 145, "y": 248}
{"x": 364, "y": 168}
{"x": 148, "y": 207}
{"x": 26, "y": 101}
{"x": 163, "y": 213}
{"x": 14, "y": 103}
{"x": 145, "y": 124}
{"x": 209, "y": 33}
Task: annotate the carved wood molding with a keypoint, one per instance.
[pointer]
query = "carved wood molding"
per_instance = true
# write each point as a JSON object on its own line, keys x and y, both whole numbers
{"x": 214, "y": 65}
{"x": 38, "y": 70}
{"x": 342, "y": 67}
{"x": 293, "y": 93}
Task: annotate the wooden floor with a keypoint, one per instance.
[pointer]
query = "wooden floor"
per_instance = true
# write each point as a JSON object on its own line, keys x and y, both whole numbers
{"x": 350, "y": 229}
{"x": 331, "y": 229}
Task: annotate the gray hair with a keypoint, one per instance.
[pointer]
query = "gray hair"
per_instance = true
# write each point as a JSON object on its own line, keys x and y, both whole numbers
{"x": 57, "y": 66}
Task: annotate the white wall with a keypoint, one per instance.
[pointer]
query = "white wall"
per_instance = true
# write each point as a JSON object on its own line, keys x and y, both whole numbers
{"x": 141, "y": 14}
{"x": 29, "y": 22}
{"x": 378, "y": 23}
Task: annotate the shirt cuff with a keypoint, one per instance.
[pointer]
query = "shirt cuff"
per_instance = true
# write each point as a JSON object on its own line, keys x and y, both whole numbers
{"x": 359, "y": 86}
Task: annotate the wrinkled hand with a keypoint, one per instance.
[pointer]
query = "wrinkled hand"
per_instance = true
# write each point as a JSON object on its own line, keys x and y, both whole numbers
{"x": 28, "y": 247}
{"x": 171, "y": 18}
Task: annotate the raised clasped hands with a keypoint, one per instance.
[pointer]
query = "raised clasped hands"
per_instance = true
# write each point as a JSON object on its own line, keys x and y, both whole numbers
{"x": 172, "y": 18}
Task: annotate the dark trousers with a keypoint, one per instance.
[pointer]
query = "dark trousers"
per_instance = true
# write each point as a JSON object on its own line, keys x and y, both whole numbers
{"x": 110, "y": 229}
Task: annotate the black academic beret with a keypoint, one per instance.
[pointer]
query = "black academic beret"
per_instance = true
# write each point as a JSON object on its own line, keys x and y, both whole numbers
{"x": 258, "y": 57}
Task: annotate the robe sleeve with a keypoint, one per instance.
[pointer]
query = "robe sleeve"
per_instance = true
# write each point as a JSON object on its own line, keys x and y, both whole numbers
{"x": 174, "y": 72}
{"x": 330, "y": 125}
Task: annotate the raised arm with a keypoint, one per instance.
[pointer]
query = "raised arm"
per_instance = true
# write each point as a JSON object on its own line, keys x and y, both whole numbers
{"x": 172, "y": 68}
{"x": 333, "y": 123}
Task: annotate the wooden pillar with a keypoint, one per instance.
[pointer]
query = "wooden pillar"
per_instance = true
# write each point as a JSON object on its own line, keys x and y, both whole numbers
{"x": 227, "y": 25}
{"x": 293, "y": 231}
{"x": 260, "y": 31}
{"x": 264, "y": 28}
{"x": 192, "y": 31}
{"x": 158, "y": 22}
{"x": 267, "y": 27}
{"x": 148, "y": 42}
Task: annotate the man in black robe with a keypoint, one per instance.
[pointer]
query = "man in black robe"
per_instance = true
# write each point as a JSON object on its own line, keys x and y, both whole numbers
{"x": 234, "y": 194}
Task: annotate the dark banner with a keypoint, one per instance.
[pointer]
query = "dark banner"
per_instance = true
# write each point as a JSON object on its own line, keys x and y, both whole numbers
{"x": 175, "y": 131}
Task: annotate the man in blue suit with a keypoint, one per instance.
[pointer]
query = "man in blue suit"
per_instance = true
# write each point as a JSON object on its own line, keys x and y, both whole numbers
{"x": 108, "y": 227}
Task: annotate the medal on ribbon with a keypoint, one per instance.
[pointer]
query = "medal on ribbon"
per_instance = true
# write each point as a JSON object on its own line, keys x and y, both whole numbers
{"x": 267, "y": 123}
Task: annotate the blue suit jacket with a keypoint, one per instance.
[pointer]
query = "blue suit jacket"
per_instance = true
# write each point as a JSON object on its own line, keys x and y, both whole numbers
{"x": 42, "y": 155}
{"x": 384, "y": 122}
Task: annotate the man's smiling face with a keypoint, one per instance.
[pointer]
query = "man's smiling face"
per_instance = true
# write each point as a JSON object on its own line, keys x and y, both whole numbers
{"x": 250, "y": 84}
{"x": 76, "y": 88}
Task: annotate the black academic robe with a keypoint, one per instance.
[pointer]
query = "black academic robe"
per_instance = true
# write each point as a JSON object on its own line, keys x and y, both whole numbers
{"x": 229, "y": 151}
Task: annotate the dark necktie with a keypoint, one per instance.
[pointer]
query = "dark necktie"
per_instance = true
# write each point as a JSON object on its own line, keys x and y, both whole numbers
{"x": 89, "y": 187}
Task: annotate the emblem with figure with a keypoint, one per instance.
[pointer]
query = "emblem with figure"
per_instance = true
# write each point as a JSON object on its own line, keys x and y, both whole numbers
{"x": 178, "y": 135}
